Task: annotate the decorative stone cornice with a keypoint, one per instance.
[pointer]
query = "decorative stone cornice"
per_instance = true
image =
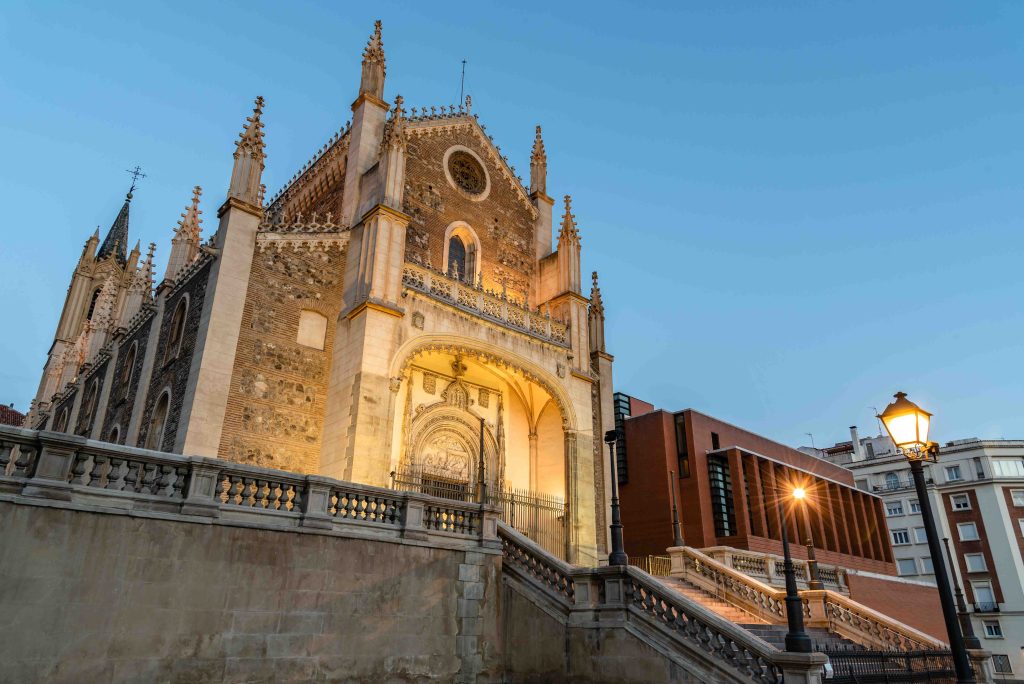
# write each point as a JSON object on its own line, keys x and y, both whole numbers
{"x": 235, "y": 203}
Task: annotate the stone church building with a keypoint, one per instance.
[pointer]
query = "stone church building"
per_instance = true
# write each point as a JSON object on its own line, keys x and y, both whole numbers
{"x": 405, "y": 309}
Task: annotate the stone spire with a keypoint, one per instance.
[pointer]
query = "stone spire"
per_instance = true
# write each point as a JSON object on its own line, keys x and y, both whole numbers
{"x": 538, "y": 166}
{"x": 372, "y": 81}
{"x": 596, "y": 317}
{"x": 115, "y": 243}
{"x": 393, "y": 147}
{"x": 139, "y": 289}
{"x": 186, "y": 240}
{"x": 568, "y": 233}
{"x": 89, "y": 249}
{"x": 249, "y": 158}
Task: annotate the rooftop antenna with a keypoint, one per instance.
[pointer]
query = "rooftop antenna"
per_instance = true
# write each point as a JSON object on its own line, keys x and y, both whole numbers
{"x": 462, "y": 83}
{"x": 874, "y": 412}
{"x": 812, "y": 440}
{"x": 136, "y": 174}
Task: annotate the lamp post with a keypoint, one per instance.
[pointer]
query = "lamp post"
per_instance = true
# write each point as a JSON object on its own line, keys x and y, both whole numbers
{"x": 618, "y": 555}
{"x": 907, "y": 425}
{"x": 970, "y": 638}
{"x": 814, "y": 581}
{"x": 796, "y": 638}
{"x": 677, "y": 530}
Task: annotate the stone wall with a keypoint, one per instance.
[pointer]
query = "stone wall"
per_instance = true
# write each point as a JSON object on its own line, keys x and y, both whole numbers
{"x": 912, "y": 603}
{"x": 279, "y": 387}
{"x": 96, "y": 597}
{"x": 121, "y": 400}
{"x": 174, "y": 372}
{"x": 87, "y": 414}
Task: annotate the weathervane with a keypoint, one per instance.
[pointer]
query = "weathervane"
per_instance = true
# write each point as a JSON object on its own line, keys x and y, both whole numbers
{"x": 136, "y": 174}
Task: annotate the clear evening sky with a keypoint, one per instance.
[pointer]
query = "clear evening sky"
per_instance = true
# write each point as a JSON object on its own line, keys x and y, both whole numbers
{"x": 797, "y": 208}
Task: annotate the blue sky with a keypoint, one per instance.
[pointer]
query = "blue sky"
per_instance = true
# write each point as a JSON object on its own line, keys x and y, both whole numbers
{"x": 797, "y": 208}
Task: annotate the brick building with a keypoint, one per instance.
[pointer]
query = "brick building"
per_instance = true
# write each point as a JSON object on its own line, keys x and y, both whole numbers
{"x": 402, "y": 305}
{"x": 727, "y": 482}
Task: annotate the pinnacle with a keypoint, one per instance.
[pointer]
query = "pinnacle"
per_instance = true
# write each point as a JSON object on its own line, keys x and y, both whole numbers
{"x": 538, "y": 146}
{"x": 374, "y": 51}
{"x": 252, "y": 132}
{"x": 568, "y": 222}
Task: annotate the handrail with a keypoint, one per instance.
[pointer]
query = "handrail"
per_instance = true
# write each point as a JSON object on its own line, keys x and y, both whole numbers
{"x": 681, "y": 619}
{"x": 492, "y": 305}
{"x": 838, "y": 612}
{"x": 768, "y": 566}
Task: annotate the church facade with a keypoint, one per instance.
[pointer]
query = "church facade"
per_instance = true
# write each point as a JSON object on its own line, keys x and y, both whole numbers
{"x": 404, "y": 309}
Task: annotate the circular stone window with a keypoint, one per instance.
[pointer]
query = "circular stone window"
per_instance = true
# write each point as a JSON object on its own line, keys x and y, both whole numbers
{"x": 467, "y": 172}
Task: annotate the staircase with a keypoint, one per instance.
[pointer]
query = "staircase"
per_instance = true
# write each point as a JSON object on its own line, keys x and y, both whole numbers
{"x": 712, "y": 603}
{"x": 823, "y": 639}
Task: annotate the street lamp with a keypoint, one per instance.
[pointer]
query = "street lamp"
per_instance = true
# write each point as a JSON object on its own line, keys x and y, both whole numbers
{"x": 907, "y": 425}
{"x": 970, "y": 638}
{"x": 618, "y": 555}
{"x": 814, "y": 582}
{"x": 797, "y": 639}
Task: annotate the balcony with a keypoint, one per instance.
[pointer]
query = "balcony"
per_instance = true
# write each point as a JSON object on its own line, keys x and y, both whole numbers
{"x": 489, "y": 305}
{"x": 897, "y": 486}
{"x": 986, "y": 607}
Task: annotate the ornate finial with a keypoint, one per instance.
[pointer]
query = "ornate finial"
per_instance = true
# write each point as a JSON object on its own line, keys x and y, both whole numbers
{"x": 374, "y": 51}
{"x": 469, "y": 104}
{"x": 596, "y": 303}
{"x": 136, "y": 174}
{"x": 538, "y": 165}
{"x": 568, "y": 230}
{"x": 251, "y": 137}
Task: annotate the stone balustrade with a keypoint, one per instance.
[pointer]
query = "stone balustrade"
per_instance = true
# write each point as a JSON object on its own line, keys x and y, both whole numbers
{"x": 767, "y": 567}
{"x": 626, "y": 595}
{"x": 42, "y": 465}
{"x": 822, "y": 608}
{"x": 484, "y": 303}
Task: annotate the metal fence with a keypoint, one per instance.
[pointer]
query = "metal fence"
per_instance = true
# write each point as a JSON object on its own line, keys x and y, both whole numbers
{"x": 890, "y": 667}
{"x": 540, "y": 517}
{"x": 659, "y": 566}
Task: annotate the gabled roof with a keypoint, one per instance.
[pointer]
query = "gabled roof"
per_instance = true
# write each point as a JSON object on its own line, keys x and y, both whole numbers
{"x": 116, "y": 242}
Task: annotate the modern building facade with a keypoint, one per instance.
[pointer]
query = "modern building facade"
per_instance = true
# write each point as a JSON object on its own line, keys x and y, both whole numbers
{"x": 977, "y": 493}
{"x": 402, "y": 306}
{"x": 729, "y": 484}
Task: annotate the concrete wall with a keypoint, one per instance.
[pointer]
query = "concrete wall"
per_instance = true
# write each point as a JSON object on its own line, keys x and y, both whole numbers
{"x": 94, "y": 597}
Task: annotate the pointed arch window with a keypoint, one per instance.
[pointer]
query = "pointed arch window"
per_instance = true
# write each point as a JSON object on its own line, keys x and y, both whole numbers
{"x": 462, "y": 253}
{"x": 89, "y": 407}
{"x": 115, "y": 433}
{"x": 62, "y": 420}
{"x": 176, "y": 332}
{"x": 124, "y": 380}
{"x": 457, "y": 258}
{"x": 158, "y": 421}
{"x": 92, "y": 303}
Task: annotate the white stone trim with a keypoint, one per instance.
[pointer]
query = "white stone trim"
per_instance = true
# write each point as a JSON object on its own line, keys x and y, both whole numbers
{"x": 451, "y": 181}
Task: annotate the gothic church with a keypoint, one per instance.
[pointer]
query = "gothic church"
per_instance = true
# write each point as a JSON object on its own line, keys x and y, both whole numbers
{"x": 398, "y": 312}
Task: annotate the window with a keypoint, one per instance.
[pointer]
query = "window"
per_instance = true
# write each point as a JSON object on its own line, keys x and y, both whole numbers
{"x": 1020, "y": 523}
{"x": 953, "y": 473}
{"x": 722, "y": 509}
{"x": 1008, "y": 467}
{"x": 124, "y": 380}
{"x": 915, "y": 506}
{"x": 975, "y": 562}
{"x": 62, "y": 420}
{"x": 961, "y": 502}
{"x": 979, "y": 472}
{"x": 714, "y": 441}
{"x": 927, "y": 567}
{"x": 894, "y": 508}
{"x": 892, "y": 481}
{"x": 92, "y": 303}
{"x": 176, "y": 332}
{"x": 115, "y": 432}
{"x": 682, "y": 450}
{"x": 900, "y": 537}
{"x": 155, "y": 435}
{"x": 993, "y": 630}
{"x": 89, "y": 406}
{"x": 1018, "y": 496}
{"x": 1001, "y": 663}
{"x": 984, "y": 598}
{"x": 870, "y": 449}
{"x": 862, "y": 485}
{"x": 906, "y": 566}
{"x": 312, "y": 329}
{"x": 968, "y": 531}
{"x": 456, "y": 258}
{"x": 920, "y": 536}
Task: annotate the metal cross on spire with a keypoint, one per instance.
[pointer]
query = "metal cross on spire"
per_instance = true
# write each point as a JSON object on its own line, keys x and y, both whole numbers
{"x": 136, "y": 174}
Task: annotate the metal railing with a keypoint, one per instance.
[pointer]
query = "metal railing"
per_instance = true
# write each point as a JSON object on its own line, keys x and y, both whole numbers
{"x": 986, "y": 607}
{"x": 658, "y": 566}
{"x": 542, "y": 518}
{"x": 890, "y": 667}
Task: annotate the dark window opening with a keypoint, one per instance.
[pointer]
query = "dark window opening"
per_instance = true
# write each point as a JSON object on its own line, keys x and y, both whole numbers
{"x": 621, "y": 407}
{"x": 682, "y": 450}
{"x": 722, "y": 510}
{"x": 714, "y": 441}
{"x": 457, "y": 258}
{"x": 92, "y": 304}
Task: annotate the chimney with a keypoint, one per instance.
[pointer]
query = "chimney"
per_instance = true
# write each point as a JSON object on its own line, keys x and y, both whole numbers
{"x": 858, "y": 453}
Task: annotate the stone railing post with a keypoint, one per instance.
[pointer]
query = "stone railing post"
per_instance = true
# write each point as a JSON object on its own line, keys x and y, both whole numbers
{"x": 770, "y": 570}
{"x": 202, "y": 497}
{"x": 412, "y": 521}
{"x": 677, "y": 556}
{"x": 801, "y": 668}
{"x": 816, "y": 599}
{"x": 53, "y": 467}
{"x": 984, "y": 670}
{"x": 489, "y": 528}
{"x": 316, "y": 504}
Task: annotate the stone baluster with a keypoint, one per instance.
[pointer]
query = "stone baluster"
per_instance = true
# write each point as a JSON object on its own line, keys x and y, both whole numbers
{"x": 5, "y": 456}
{"x": 115, "y": 476}
{"x": 81, "y": 472}
{"x": 166, "y": 482}
{"x": 259, "y": 495}
{"x": 150, "y": 480}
